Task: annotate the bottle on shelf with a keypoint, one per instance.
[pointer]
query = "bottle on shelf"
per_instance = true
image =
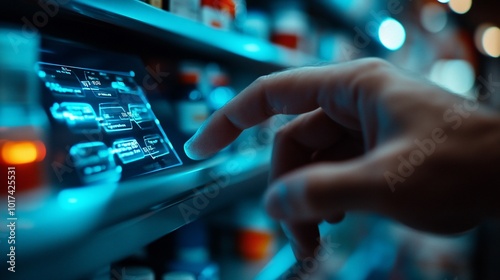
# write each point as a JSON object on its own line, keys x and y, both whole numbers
{"x": 256, "y": 232}
{"x": 257, "y": 24}
{"x": 220, "y": 91}
{"x": 24, "y": 126}
{"x": 289, "y": 25}
{"x": 192, "y": 254}
{"x": 240, "y": 14}
{"x": 155, "y": 3}
{"x": 185, "y": 8}
{"x": 190, "y": 104}
{"x": 218, "y": 13}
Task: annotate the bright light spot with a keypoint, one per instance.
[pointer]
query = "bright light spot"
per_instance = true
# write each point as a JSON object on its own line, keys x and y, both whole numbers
{"x": 220, "y": 96}
{"x": 460, "y": 6}
{"x": 433, "y": 17}
{"x": 392, "y": 34}
{"x": 42, "y": 74}
{"x": 251, "y": 47}
{"x": 491, "y": 41}
{"x": 88, "y": 198}
{"x": 132, "y": 74}
{"x": 443, "y": 1}
{"x": 455, "y": 75}
{"x": 22, "y": 152}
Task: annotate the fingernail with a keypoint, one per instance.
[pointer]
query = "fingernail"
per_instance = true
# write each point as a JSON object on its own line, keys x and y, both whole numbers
{"x": 275, "y": 201}
{"x": 188, "y": 149}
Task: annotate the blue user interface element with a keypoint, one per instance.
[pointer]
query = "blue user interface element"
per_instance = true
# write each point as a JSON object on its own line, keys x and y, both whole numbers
{"x": 114, "y": 117}
{"x": 128, "y": 150}
{"x": 79, "y": 117}
{"x": 156, "y": 147}
{"x": 106, "y": 124}
{"x": 95, "y": 163}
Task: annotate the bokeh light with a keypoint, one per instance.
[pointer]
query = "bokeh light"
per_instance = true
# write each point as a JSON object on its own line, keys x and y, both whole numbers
{"x": 433, "y": 17}
{"x": 491, "y": 41}
{"x": 392, "y": 34}
{"x": 22, "y": 152}
{"x": 455, "y": 75}
{"x": 460, "y": 6}
{"x": 487, "y": 40}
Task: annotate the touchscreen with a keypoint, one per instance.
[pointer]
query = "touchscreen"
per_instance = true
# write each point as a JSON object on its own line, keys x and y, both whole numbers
{"x": 104, "y": 128}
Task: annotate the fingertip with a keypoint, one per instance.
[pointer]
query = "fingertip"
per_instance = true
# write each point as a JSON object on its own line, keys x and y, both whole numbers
{"x": 303, "y": 238}
{"x": 300, "y": 255}
{"x": 189, "y": 151}
{"x": 192, "y": 151}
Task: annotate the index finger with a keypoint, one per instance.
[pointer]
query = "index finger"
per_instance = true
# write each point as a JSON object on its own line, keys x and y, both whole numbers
{"x": 336, "y": 88}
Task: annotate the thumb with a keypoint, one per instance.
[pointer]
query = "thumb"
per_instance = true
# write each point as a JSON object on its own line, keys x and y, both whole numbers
{"x": 318, "y": 191}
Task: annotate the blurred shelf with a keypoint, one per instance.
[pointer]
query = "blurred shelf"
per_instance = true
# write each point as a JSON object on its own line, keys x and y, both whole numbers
{"x": 110, "y": 222}
{"x": 146, "y": 19}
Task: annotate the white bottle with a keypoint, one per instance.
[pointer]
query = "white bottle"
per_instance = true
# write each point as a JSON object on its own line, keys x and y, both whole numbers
{"x": 191, "y": 107}
{"x": 185, "y": 8}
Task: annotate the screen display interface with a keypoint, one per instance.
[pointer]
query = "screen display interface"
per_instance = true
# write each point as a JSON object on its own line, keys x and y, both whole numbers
{"x": 105, "y": 130}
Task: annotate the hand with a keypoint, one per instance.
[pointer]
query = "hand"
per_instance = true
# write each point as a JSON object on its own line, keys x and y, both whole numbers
{"x": 370, "y": 138}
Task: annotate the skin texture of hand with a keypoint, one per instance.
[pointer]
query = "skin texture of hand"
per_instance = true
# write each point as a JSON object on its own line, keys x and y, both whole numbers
{"x": 369, "y": 137}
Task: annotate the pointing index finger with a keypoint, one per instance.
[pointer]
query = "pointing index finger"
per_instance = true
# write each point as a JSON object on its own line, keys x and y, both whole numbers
{"x": 292, "y": 92}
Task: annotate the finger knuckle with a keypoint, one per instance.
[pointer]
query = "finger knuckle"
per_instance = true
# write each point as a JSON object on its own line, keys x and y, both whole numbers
{"x": 374, "y": 64}
{"x": 375, "y": 72}
{"x": 261, "y": 81}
